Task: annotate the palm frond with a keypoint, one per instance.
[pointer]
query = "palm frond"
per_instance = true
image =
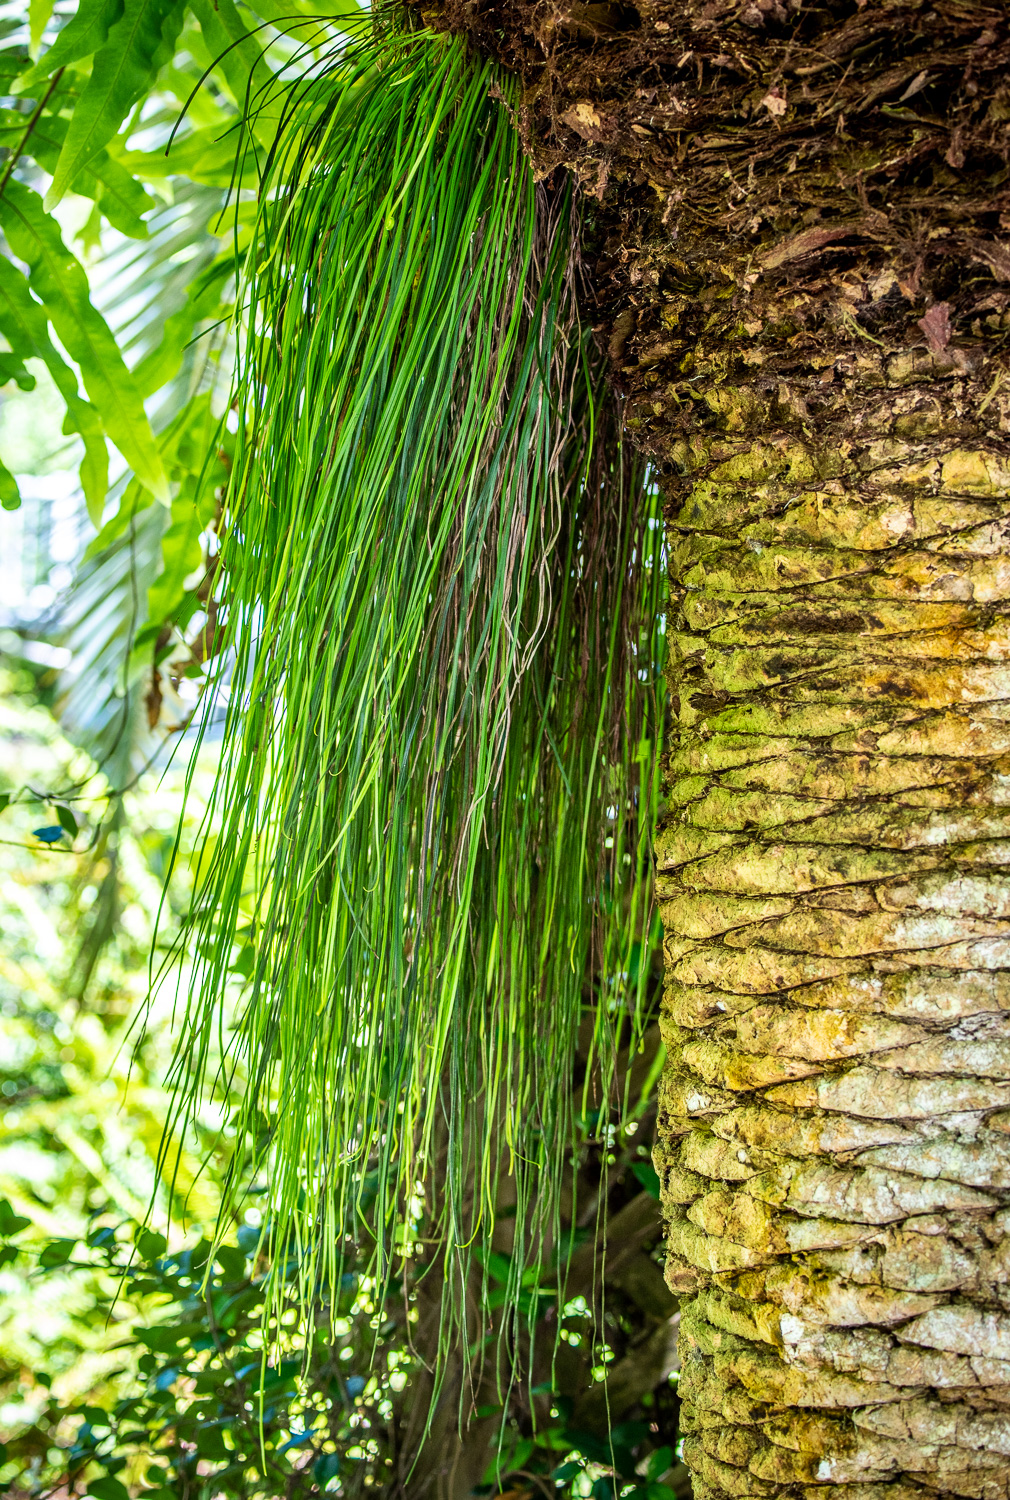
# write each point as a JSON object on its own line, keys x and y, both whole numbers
{"x": 440, "y": 573}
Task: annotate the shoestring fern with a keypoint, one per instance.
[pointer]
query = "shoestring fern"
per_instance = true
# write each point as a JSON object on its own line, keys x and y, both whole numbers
{"x": 441, "y": 575}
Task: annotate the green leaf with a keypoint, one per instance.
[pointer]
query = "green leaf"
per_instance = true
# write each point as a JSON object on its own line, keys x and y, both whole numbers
{"x": 23, "y": 324}
{"x": 10, "y": 1222}
{"x": 12, "y": 367}
{"x": 107, "y": 1488}
{"x": 232, "y": 1262}
{"x": 209, "y": 1444}
{"x": 150, "y": 1244}
{"x": 13, "y": 62}
{"x": 162, "y": 1340}
{"x": 67, "y": 820}
{"x": 83, "y": 419}
{"x": 138, "y": 44}
{"x": 10, "y": 495}
{"x": 5, "y": 802}
{"x": 56, "y": 1253}
{"x": 208, "y": 299}
{"x": 120, "y": 197}
{"x": 83, "y": 34}
{"x": 206, "y": 156}
{"x": 39, "y": 13}
{"x": 240, "y": 59}
{"x": 658, "y": 1463}
{"x": 647, "y": 1176}
{"x": 181, "y": 554}
{"x": 95, "y": 1416}
{"x": 555, "y": 1440}
{"x": 60, "y": 283}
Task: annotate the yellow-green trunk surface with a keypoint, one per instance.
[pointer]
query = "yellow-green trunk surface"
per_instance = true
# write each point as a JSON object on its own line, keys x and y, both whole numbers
{"x": 835, "y": 888}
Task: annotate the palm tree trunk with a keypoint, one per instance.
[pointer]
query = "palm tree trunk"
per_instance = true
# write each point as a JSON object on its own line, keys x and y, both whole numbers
{"x": 796, "y": 232}
{"x": 833, "y": 1123}
{"x": 830, "y": 408}
{"x": 798, "y": 248}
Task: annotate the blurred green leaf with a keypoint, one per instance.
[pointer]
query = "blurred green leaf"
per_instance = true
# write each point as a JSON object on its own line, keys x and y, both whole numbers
{"x": 12, "y": 367}
{"x": 658, "y": 1463}
{"x": 10, "y": 495}
{"x": 647, "y": 1176}
{"x": 150, "y": 1244}
{"x": 107, "y": 1488}
{"x": 67, "y": 820}
{"x": 56, "y": 1253}
{"x": 23, "y": 323}
{"x": 39, "y": 12}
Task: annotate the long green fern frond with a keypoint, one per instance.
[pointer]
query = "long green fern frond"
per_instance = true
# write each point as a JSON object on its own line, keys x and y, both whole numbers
{"x": 440, "y": 573}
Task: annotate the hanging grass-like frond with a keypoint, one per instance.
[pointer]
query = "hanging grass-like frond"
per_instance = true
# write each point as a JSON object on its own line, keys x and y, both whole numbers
{"x": 441, "y": 574}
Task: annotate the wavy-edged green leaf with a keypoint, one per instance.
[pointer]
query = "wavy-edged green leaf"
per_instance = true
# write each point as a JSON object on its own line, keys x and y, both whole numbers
{"x": 119, "y": 195}
{"x": 60, "y": 283}
{"x": 138, "y": 44}
{"x": 24, "y": 325}
{"x": 206, "y": 297}
{"x": 83, "y": 34}
{"x": 13, "y": 367}
{"x": 83, "y": 419}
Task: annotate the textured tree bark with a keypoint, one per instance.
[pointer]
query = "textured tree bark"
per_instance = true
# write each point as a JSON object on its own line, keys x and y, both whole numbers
{"x": 797, "y": 226}
{"x": 836, "y": 1163}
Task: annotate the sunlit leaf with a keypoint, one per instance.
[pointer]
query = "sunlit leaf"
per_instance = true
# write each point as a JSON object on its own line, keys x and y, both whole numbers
{"x": 83, "y": 34}
{"x": 59, "y": 281}
{"x": 138, "y": 44}
{"x": 24, "y": 325}
{"x": 10, "y": 495}
{"x": 120, "y": 196}
{"x": 39, "y": 12}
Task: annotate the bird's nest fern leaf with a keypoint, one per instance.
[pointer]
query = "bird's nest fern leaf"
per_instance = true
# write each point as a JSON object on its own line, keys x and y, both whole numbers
{"x": 441, "y": 573}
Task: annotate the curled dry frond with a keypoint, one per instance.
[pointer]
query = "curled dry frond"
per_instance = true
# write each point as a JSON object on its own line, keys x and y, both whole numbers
{"x": 437, "y": 777}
